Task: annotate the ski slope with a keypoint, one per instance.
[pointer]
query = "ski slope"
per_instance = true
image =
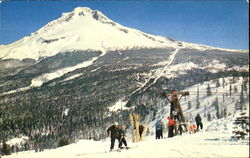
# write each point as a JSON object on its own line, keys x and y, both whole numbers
{"x": 214, "y": 141}
{"x": 227, "y": 102}
{"x": 206, "y": 143}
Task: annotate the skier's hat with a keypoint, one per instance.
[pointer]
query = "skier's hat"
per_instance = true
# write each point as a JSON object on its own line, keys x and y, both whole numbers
{"x": 116, "y": 123}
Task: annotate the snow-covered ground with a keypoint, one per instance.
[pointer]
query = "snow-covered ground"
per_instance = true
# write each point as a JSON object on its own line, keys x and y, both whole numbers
{"x": 118, "y": 105}
{"x": 211, "y": 142}
{"x": 206, "y": 102}
{"x": 17, "y": 140}
{"x": 214, "y": 141}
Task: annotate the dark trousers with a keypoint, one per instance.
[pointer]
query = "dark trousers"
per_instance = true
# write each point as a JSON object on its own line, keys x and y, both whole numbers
{"x": 158, "y": 134}
{"x": 122, "y": 140}
{"x": 199, "y": 125}
{"x": 161, "y": 135}
{"x": 113, "y": 142}
{"x": 180, "y": 129}
{"x": 140, "y": 132}
{"x": 171, "y": 131}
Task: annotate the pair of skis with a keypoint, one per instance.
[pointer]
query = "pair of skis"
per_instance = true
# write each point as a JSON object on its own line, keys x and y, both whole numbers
{"x": 104, "y": 152}
{"x": 135, "y": 123}
{"x": 120, "y": 149}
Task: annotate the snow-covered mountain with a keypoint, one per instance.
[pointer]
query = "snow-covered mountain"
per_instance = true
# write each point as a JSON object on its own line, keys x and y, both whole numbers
{"x": 85, "y": 29}
{"x": 81, "y": 29}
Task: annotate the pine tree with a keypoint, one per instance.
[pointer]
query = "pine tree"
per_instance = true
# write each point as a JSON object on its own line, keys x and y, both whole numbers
{"x": 63, "y": 141}
{"x": 5, "y": 149}
{"x": 234, "y": 81}
{"x": 209, "y": 92}
{"x": 230, "y": 90}
{"x": 223, "y": 82}
{"x": 198, "y": 99}
{"x": 241, "y": 125}
{"x": 205, "y": 108}
{"x": 245, "y": 82}
{"x": 235, "y": 89}
{"x": 217, "y": 83}
{"x": 242, "y": 101}
{"x": 216, "y": 106}
{"x": 209, "y": 116}
{"x": 189, "y": 105}
{"x": 197, "y": 104}
{"x": 225, "y": 112}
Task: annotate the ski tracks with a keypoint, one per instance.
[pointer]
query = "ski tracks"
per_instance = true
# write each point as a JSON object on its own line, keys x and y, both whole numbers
{"x": 156, "y": 74}
{"x": 171, "y": 58}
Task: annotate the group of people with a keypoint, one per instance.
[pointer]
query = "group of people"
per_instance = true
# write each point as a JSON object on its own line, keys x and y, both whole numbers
{"x": 175, "y": 126}
{"x": 193, "y": 128}
{"x": 117, "y": 132}
{"x": 189, "y": 126}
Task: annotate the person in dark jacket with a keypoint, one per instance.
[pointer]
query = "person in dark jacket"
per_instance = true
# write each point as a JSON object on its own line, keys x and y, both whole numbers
{"x": 198, "y": 122}
{"x": 122, "y": 135}
{"x": 141, "y": 128}
{"x": 113, "y": 132}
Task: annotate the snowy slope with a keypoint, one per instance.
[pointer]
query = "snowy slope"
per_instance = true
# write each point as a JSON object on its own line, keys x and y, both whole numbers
{"x": 208, "y": 143}
{"x": 86, "y": 29}
{"x": 214, "y": 141}
{"x": 81, "y": 29}
{"x": 206, "y": 102}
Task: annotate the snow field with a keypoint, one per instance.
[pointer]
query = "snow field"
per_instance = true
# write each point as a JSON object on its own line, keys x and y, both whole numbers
{"x": 206, "y": 143}
{"x": 213, "y": 141}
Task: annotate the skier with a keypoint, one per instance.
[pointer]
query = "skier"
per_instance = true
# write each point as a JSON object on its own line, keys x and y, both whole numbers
{"x": 192, "y": 128}
{"x": 141, "y": 128}
{"x": 180, "y": 128}
{"x": 113, "y": 133}
{"x": 171, "y": 124}
{"x": 198, "y": 122}
{"x": 161, "y": 131}
{"x": 122, "y": 135}
{"x": 158, "y": 129}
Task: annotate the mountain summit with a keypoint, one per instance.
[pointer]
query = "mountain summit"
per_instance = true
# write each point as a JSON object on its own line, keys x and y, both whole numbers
{"x": 81, "y": 29}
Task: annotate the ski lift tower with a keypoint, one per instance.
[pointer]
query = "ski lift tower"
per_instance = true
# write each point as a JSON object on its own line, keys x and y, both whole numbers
{"x": 174, "y": 97}
{"x": 174, "y": 100}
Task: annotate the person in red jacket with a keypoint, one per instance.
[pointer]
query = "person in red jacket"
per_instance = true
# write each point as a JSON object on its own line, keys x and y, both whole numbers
{"x": 171, "y": 124}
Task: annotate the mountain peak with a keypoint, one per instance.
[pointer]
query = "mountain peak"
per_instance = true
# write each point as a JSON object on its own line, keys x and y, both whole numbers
{"x": 85, "y": 11}
{"x": 82, "y": 9}
{"x": 83, "y": 29}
